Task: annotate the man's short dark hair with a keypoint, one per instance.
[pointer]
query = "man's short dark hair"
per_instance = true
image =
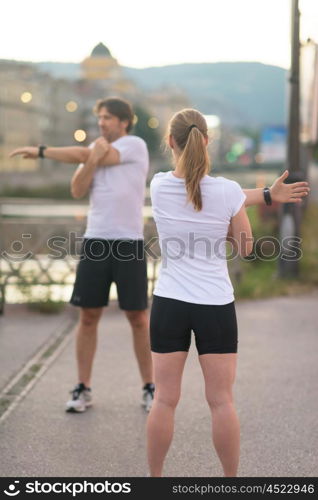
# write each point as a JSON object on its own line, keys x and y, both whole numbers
{"x": 117, "y": 107}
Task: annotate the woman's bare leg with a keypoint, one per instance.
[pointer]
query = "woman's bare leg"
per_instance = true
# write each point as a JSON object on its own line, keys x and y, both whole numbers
{"x": 168, "y": 369}
{"x": 219, "y": 375}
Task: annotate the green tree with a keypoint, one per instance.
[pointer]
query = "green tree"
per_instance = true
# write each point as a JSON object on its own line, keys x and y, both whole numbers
{"x": 143, "y": 130}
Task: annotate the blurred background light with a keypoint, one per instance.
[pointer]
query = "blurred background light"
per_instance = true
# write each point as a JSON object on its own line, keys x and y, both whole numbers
{"x": 80, "y": 135}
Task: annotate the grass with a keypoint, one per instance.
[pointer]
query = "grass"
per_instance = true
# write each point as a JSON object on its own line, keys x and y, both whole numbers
{"x": 309, "y": 262}
{"x": 260, "y": 279}
{"x": 53, "y": 347}
{"x": 4, "y": 405}
{"x": 58, "y": 192}
{"x": 47, "y": 306}
{"x": 25, "y": 379}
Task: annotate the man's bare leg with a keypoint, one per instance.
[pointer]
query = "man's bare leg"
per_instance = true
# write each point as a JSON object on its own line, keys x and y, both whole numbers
{"x": 86, "y": 342}
{"x": 139, "y": 321}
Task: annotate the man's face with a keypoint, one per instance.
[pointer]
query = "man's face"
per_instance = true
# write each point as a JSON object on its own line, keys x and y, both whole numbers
{"x": 110, "y": 126}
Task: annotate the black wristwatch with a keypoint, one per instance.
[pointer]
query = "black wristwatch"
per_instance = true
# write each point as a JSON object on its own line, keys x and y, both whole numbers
{"x": 41, "y": 151}
{"x": 267, "y": 196}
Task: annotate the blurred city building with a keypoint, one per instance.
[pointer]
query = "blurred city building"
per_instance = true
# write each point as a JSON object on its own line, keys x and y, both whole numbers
{"x": 102, "y": 76}
{"x": 100, "y": 65}
{"x": 309, "y": 92}
{"x": 33, "y": 111}
{"x": 37, "y": 108}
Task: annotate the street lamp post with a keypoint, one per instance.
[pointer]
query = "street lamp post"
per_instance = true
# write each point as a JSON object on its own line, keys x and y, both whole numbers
{"x": 290, "y": 213}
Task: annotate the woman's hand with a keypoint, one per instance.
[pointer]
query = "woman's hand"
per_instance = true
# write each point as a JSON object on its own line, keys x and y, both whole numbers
{"x": 288, "y": 193}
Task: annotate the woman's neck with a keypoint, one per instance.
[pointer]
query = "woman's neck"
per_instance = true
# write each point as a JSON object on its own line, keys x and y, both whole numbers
{"x": 177, "y": 173}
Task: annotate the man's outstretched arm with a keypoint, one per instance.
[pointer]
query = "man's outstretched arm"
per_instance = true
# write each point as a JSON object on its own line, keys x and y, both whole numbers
{"x": 71, "y": 154}
{"x": 68, "y": 154}
{"x": 280, "y": 192}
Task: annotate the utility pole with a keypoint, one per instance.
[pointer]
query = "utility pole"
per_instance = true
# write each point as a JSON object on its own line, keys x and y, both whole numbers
{"x": 290, "y": 213}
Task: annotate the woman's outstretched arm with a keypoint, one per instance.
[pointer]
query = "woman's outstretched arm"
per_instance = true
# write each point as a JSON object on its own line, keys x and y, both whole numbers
{"x": 280, "y": 192}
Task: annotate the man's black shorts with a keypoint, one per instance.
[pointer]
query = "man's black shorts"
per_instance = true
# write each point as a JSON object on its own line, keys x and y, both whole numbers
{"x": 105, "y": 261}
{"x": 171, "y": 323}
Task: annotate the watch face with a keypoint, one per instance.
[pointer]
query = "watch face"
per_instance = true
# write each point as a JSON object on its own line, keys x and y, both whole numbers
{"x": 267, "y": 196}
{"x": 41, "y": 149}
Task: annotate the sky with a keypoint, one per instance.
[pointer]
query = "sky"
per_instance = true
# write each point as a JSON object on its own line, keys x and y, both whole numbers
{"x": 143, "y": 33}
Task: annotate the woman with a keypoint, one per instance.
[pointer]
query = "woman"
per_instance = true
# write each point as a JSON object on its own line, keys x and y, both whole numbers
{"x": 195, "y": 214}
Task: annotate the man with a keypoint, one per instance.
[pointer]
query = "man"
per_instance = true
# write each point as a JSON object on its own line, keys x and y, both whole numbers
{"x": 114, "y": 170}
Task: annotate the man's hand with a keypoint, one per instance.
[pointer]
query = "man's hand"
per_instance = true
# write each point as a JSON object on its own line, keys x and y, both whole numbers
{"x": 26, "y": 152}
{"x": 288, "y": 193}
{"x": 100, "y": 149}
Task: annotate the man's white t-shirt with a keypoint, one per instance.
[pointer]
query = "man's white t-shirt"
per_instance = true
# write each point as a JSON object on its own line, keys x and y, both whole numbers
{"x": 193, "y": 249}
{"x": 117, "y": 193}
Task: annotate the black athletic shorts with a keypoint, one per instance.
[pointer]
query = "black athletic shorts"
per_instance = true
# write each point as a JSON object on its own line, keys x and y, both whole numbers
{"x": 103, "y": 262}
{"x": 171, "y": 323}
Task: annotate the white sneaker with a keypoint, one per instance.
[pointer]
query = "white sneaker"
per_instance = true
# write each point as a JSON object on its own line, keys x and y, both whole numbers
{"x": 82, "y": 399}
{"x": 147, "y": 396}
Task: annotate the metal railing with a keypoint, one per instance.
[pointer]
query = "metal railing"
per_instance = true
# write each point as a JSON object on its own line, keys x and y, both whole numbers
{"x": 28, "y": 230}
{"x": 41, "y": 271}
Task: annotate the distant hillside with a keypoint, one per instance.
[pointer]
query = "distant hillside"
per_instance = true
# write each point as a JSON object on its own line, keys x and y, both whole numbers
{"x": 241, "y": 93}
{"x": 70, "y": 71}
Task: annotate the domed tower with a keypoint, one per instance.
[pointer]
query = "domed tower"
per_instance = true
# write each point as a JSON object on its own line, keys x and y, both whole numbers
{"x": 100, "y": 65}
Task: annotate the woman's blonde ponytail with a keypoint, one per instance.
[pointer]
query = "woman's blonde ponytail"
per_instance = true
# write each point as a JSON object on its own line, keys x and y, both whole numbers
{"x": 189, "y": 129}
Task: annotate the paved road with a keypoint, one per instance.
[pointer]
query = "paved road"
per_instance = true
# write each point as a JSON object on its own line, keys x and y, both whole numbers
{"x": 23, "y": 333}
{"x": 276, "y": 396}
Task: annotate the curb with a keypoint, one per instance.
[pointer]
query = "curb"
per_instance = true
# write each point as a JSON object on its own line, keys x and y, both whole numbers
{"x": 14, "y": 392}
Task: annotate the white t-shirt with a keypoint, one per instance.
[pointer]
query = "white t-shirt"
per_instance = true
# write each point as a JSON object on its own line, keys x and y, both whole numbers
{"x": 193, "y": 249}
{"x": 117, "y": 193}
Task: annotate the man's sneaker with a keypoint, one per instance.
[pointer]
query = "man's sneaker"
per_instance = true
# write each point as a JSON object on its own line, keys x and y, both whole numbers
{"x": 81, "y": 399}
{"x": 147, "y": 396}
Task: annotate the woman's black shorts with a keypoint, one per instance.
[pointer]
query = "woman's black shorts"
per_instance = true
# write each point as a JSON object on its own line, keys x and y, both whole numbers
{"x": 171, "y": 323}
{"x": 103, "y": 262}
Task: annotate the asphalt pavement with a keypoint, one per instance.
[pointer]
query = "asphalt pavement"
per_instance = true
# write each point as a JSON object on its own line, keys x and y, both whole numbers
{"x": 276, "y": 394}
